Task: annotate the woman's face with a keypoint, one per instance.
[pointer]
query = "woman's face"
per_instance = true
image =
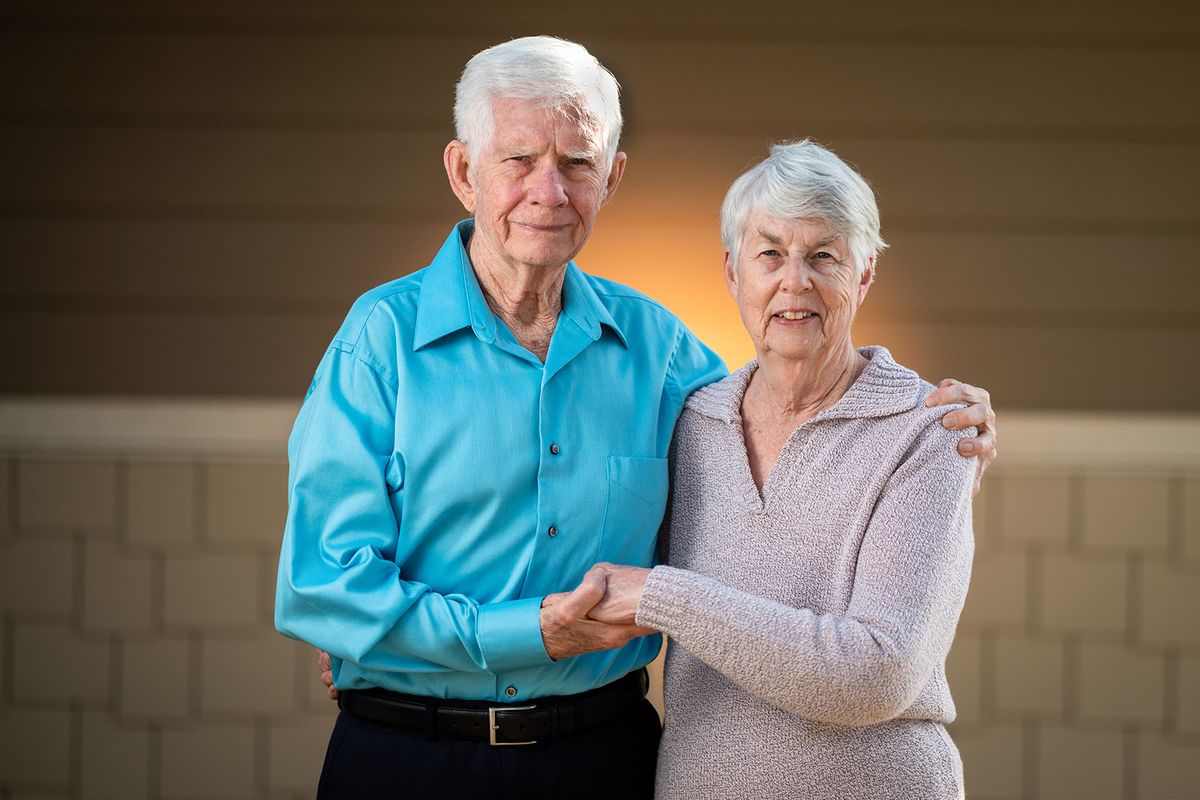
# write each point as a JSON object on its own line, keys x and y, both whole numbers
{"x": 796, "y": 286}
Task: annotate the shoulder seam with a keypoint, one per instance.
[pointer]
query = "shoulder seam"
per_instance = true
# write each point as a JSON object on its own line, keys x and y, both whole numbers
{"x": 369, "y": 361}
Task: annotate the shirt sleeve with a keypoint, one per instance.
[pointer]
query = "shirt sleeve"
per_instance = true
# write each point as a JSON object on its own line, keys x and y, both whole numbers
{"x": 870, "y": 663}
{"x": 693, "y": 364}
{"x": 340, "y": 586}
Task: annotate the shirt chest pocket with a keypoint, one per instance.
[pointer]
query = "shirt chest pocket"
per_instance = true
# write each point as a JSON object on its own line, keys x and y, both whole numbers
{"x": 633, "y": 509}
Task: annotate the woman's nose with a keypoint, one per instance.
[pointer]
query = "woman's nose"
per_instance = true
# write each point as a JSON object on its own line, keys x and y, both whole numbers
{"x": 796, "y": 276}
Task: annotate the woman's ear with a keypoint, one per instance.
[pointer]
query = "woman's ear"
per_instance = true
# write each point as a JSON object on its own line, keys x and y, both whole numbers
{"x": 731, "y": 278}
{"x": 865, "y": 281}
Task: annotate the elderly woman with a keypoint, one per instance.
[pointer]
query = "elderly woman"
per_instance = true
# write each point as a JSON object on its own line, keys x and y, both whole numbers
{"x": 820, "y": 541}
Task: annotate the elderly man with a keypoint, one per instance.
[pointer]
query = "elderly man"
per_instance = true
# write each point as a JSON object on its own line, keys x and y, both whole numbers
{"x": 478, "y": 434}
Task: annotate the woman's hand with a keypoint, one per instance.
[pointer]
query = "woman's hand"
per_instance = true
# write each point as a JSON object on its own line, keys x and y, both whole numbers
{"x": 325, "y": 669}
{"x": 622, "y": 592}
{"x": 978, "y": 413}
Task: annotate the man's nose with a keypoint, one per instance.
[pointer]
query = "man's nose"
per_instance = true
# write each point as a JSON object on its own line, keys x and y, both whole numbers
{"x": 547, "y": 187}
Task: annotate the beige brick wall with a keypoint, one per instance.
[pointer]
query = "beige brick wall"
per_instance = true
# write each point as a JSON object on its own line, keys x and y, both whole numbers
{"x": 138, "y": 657}
{"x": 137, "y": 654}
{"x": 1077, "y": 663}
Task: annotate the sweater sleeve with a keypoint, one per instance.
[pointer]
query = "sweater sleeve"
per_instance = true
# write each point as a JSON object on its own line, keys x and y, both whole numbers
{"x": 870, "y": 663}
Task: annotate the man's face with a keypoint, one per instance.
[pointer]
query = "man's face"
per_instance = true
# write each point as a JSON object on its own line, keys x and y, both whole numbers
{"x": 536, "y": 188}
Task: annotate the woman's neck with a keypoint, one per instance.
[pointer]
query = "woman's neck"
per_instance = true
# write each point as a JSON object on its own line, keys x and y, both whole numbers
{"x": 796, "y": 390}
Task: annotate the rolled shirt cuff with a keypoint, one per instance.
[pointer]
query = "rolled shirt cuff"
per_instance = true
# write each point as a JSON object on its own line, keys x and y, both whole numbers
{"x": 510, "y": 635}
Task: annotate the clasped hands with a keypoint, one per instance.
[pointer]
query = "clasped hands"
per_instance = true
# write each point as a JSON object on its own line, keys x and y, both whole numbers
{"x": 599, "y": 614}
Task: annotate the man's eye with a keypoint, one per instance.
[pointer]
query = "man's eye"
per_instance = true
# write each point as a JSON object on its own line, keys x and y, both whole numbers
{"x": 770, "y": 253}
{"x": 822, "y": 255}
{"x": 579, "y": 162}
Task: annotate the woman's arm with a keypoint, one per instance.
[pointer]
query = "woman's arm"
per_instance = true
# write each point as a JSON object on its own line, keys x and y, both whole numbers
{"x": 858, "y": 668}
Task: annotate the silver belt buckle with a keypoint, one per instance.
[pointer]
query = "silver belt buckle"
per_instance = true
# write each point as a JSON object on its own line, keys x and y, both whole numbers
{"x": 493, "y": 726}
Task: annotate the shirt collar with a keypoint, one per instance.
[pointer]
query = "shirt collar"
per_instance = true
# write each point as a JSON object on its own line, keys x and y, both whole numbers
{"x": 883, "y": 388}
{"x": 451, "y": 299}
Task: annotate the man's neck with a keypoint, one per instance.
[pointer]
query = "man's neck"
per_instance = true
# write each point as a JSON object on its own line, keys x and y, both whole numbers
{"x": 528, "y": 299}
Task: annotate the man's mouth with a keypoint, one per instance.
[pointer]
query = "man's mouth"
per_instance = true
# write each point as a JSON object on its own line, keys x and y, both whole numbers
{"x": 794, "y": 314}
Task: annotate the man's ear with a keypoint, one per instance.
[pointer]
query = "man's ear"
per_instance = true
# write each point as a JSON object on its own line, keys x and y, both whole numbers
{"x": 458, "y": 171}
{"x": 614, "y": 176}
{"x": 731, "y": 276}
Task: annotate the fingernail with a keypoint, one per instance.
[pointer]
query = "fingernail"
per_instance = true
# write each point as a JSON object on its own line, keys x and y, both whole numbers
{"x": 966, "y": 447}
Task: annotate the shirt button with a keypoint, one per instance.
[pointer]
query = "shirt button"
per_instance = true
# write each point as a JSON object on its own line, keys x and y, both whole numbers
{"x": 511, "y": 691}
{"x": 554, "y": 449}
{"x": 552, "y": 530}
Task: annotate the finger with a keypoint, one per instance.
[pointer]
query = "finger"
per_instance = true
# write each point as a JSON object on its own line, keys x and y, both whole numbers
{"x": 323, "y": 662}
{"x": 976, "y": 415}
{"x": 981, "y": 445}
{"x": 938, "y": 396}
{"x": 589, "y": 592}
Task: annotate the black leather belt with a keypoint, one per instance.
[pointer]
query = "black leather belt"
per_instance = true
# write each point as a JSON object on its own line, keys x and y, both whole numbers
{"x": 544, "y": 718}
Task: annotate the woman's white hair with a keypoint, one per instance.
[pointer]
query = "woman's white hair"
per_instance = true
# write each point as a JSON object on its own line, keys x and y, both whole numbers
{"x": 563, "y": 75}
{"x": 803, "y": 180}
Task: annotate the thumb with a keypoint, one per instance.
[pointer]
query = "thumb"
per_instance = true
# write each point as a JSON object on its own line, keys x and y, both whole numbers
{"x": 586, "y": 595}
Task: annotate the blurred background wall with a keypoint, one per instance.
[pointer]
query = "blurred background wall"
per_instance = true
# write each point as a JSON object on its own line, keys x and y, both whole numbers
{"x": 192, "y": 194}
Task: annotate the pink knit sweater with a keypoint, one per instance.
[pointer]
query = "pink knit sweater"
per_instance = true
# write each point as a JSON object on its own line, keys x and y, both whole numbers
{"x": 809, "y": 625}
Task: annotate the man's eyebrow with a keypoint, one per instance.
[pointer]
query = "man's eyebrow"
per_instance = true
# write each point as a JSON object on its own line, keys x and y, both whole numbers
{"x": 828, "y": 240}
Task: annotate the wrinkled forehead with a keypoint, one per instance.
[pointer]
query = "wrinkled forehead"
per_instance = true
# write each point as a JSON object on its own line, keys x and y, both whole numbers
{"x": 517, "y": 120}
{"x": 808, "y": 231}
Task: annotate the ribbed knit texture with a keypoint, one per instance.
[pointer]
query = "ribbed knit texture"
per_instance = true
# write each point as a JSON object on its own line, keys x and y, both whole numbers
{"x": 809, "y": 625}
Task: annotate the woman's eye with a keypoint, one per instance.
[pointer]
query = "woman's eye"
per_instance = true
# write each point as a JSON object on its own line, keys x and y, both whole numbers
{"x": 822, "y": 256}
{"x": 769, "y": 253}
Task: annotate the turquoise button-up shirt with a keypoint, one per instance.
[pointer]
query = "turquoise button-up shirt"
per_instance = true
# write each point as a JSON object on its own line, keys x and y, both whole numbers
{"x": 443, "y": 480}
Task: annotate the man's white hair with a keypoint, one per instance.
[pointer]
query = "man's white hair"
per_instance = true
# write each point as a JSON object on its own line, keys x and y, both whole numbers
{"x": 803, "y": 180}
{"x": 563, "y": 75}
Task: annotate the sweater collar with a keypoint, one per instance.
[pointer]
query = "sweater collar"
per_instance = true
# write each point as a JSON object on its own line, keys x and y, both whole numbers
{"x": 883, "y": 388}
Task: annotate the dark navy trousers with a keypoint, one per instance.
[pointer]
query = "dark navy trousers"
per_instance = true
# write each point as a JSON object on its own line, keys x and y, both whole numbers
{"x": 614, "y": 762}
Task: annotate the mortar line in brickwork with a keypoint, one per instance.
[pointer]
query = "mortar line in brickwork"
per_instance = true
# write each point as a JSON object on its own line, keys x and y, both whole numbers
{"x": 1072, "y": 676}
{"x": 1075, "y": 521}
{"x": 195, "y": 665}
{"x": 158, "y": 591}
{"x": 1033, "y": 588}
{"x": 1171, "y": 699}
{"x": 8, "y": 631}
{"x": 1133, "y": 599}
{"x": 121, "y": 503}
{"x": 12, "y": 490}
{"x": 988, "y": 679}
{"x": 78, "y": 578}
{"x": 993, "y": 514}
{"x": 1175, "y": 517}
{"x": 116, "y": 666}
{"x": 1129, "y": 748}
{"x": 300, "y": 667}
{"x": 1029, "y": 757}
{"x": 200, "y": 502}
{"x": 262, "y": 745}
{"x": 75, "y": 751}
{"x": 154, "y": 760}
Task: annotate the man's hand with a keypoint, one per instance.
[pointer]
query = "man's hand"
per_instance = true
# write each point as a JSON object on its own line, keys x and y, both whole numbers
{"x": 566, "y": 629}
{"x": 623, "y": 591}
{"x": 326, "y": 670}
{"x": 978, "y": 413}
